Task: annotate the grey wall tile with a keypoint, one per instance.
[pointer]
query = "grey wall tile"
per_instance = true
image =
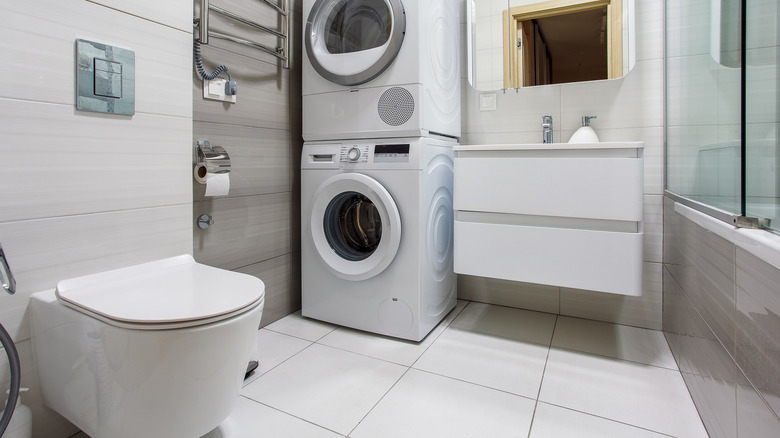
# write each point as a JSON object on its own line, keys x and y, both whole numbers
{"x": 257, "y": 227}
{"x": 703, "y": 264}
{"x": 712, "y": 286}
{"x": 754, "y": 417}
{"x": 709, "y": 372}
{"x": 282, "y": 286}
{"x": 247, "y": 230}
{"x": 758, "y": 325}
{"x": 509, "y": 293}
{"x": 726, "y": 345}
{"x": 716, "y": 402}
{"x": 261, "y": 158}
{"x": 642, "y": 311}
{"x": 654, "y": 228}
{"x": 264, "y": 97}
{"x": 679, "y": 315}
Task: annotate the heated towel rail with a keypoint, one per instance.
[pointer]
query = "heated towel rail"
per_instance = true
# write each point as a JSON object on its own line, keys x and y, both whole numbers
{"x": 282, "y": 52}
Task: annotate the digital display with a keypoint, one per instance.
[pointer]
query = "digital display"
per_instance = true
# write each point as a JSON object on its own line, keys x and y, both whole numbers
{"x": 391, "y": 149}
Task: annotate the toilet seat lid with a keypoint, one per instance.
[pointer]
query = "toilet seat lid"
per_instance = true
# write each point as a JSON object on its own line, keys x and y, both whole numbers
{"x": 170, "y": 293}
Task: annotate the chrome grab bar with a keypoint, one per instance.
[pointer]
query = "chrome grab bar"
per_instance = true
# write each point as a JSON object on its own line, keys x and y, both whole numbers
{"x": 9, "y": 283}
{"x": 281, "y": 52}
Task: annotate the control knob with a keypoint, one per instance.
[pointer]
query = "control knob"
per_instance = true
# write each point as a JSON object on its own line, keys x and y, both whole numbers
{"x": 354, "y": 154}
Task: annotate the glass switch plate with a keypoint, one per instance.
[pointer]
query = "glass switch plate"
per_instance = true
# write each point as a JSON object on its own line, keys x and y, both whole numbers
{"x": 105, "y": 78}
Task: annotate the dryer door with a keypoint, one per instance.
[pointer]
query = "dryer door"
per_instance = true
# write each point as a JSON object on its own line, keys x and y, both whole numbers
{"x": 350, "y": 42}
{"x": 355, "y": 225}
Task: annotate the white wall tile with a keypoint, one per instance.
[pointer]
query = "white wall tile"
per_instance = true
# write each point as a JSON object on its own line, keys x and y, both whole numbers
{"x": 176, "y": 13}
{"x": 58, "y": 162}
{"x": 691, "y": 35}
{"x": 636, "y": 100}
{"x": 38, "y": 39}
{"x": 762, "y": 29}
{"x": 44, "y": 251}
{"x": 649, "y": 30}
{"x": 516, "y": 111}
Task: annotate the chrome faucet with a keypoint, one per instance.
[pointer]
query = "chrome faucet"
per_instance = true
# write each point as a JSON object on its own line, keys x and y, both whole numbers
{"x": 547, "y": 132}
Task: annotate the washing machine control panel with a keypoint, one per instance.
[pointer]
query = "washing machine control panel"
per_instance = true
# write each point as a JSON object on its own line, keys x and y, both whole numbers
{"x": 358, "y": 153}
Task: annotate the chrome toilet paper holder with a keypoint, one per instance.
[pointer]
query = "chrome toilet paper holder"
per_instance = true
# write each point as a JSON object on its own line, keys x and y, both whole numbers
{"x": 210, "y": 159}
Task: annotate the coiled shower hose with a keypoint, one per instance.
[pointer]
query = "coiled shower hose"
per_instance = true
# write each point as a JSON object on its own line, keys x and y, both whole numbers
{"x": 16, "y": 378}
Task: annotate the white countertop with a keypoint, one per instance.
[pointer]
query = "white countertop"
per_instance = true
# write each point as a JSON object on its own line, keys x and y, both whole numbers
{"x": 550, "y": 146}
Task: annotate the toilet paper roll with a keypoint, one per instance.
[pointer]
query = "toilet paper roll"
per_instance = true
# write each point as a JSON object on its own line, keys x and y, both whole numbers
{"x": 217, "y": 184}
{"x": 200, "y": 173}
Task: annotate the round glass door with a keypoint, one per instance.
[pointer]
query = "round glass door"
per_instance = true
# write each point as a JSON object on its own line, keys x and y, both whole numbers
{"x": 350, "y": 42}
{"x": 355, "y": 226}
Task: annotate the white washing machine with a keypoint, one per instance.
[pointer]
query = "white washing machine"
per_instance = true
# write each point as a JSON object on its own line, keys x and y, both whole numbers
{"x": 381, "y": 68}
{"x": 376, "y": 237}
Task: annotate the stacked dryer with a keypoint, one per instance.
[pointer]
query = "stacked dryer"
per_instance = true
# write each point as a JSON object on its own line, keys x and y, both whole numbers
{"x": 381, "y": 113}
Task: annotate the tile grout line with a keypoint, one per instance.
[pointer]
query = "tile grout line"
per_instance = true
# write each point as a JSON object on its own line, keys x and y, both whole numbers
{"x": 408, "y": 367}
{"x": 275, "y": 366}
{"x": 291, "y": 415}
{"x": 607, "y": 419}
{"x": 541, "y": 382}
{"x": 377, "y": 402}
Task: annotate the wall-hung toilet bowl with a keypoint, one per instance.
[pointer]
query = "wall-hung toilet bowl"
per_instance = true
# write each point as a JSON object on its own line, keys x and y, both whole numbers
{"x": 153, "y": 350}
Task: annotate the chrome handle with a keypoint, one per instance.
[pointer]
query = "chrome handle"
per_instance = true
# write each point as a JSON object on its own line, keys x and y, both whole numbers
{"x": 9, "y": 283}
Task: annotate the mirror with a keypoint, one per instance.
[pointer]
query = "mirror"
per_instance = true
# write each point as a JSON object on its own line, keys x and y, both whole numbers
{"x": 521, "y": 43}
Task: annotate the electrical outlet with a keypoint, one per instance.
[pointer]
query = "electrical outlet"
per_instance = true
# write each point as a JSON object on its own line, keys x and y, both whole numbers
{"x": 215, "y": 90}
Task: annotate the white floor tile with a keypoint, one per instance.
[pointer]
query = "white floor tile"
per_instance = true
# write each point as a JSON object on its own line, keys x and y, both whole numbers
{"x": 556, "y": 422}
{"x": 507, "y": 322}
{"x": 613, "y": 340}
{"x": 301, "y": 327}
{"x": 644, "y": 396}
{"x": 426, "y": 405}
{"x": 385, "y": 348}
{"x": 272, "y": 349}
{"x": 251, "y": 420}
{"x": 328, "y": 387}
{"x": 496, "y": 362}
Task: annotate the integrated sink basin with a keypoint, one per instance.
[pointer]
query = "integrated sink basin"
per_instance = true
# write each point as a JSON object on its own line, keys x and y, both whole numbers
{"x": 560, "y": 214}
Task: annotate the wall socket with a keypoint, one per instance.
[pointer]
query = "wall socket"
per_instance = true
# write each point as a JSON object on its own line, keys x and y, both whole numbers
{"x": 215, "y": 90}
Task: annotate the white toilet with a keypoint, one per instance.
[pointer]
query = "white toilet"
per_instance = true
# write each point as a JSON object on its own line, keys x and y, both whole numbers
{"x": 153, "y": 350}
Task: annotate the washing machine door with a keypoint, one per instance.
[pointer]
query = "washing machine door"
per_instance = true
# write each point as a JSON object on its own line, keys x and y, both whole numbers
{"x": 355, "y": 225}
{"x": 350, "y": 42}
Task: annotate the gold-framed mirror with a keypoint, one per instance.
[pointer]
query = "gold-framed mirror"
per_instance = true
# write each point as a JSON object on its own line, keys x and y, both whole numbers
{"x": 521, "y": 43}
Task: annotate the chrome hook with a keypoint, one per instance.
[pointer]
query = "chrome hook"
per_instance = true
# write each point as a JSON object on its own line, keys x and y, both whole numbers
{"x": 9, "y": 283}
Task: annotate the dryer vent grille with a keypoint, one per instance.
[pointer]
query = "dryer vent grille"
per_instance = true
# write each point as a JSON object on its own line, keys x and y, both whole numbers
{"x": 396, "y": 106}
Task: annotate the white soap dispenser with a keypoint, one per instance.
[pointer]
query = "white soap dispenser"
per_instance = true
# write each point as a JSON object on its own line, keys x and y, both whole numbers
{"x": 21, "y": 421}
{"x": 585, "y": 134}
